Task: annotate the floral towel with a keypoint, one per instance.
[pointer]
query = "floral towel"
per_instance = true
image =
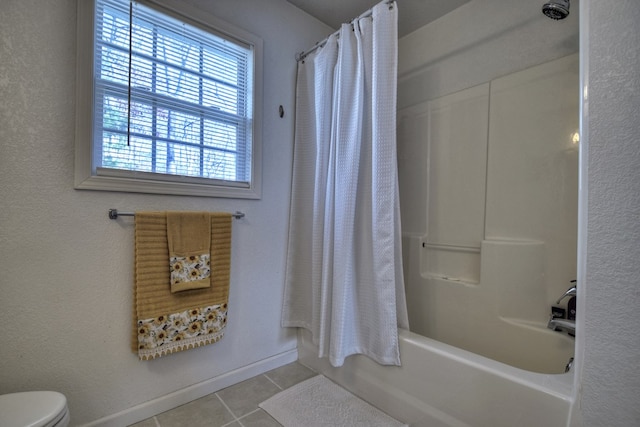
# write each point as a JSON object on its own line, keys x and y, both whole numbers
{"x": 186, "y": 329}
{"x": 189, "y": 238}
{"x": 192, "y": 268}
{"x": 167, "y": 322}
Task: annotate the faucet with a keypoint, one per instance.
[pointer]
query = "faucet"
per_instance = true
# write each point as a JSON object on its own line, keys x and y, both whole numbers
{"x": 571, "y": 292}
{"x": 559, "y": 324}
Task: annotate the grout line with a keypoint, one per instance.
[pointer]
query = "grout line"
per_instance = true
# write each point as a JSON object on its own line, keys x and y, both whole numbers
{"x": 239, "y": 420}
{"x": 276, "y": 384}
{"x": 228, "y": 409}
{"x": 246, "y": 415}
{"x": 249, "y": 413}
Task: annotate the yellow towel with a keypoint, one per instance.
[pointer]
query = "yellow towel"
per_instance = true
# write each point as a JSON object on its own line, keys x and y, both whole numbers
{"x": 189, "y": 237}
{"x": 167, "y": 322}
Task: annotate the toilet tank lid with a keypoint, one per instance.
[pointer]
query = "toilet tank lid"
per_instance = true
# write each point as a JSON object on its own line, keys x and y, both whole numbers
{"x": 31, "y": 408}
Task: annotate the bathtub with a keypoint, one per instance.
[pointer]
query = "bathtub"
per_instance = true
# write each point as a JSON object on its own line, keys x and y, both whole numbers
{"x": 439, "y": 385}
{"x": 501, "y": 313}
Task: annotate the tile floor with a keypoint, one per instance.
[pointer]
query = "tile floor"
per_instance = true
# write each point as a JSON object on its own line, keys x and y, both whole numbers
{"x": 235, "y": 406}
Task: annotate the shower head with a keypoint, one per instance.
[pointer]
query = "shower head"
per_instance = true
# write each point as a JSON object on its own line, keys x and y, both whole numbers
{"x": 556, "y": 9}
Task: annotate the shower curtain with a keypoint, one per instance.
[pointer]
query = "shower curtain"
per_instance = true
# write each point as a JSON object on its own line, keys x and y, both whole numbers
{"x": 344, "y": 280}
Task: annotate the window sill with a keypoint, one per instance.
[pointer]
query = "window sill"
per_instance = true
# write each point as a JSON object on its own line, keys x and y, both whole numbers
{"x": 137, "y": 185}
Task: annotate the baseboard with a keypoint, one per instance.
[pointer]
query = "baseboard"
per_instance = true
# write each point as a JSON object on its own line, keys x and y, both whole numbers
{"x": 196, "y": 391}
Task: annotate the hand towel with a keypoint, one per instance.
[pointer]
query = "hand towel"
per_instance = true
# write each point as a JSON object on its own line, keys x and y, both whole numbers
{"x": 189, "y": 236}
{"x": 167, "y": 322}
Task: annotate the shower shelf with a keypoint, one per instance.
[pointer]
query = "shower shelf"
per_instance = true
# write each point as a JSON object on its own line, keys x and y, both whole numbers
{"x": 465, "y": 282}
{"x": 456, "y": 248}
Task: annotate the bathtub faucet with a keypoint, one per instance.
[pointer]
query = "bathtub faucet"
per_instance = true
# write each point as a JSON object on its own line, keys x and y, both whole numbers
{"x": 562, "y": 325}
{"x": 557, "y": 321}
{"x": 571, "y": 292}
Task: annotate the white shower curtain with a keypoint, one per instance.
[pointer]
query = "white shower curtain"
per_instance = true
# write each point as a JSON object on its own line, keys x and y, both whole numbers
{"x": 344, "y": 280}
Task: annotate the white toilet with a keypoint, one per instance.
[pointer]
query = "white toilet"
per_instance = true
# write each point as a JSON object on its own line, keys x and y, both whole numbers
{"x": 34, "y": 409}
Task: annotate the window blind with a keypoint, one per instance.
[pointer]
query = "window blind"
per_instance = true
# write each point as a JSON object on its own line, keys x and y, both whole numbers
{"x": 188, "y": 109}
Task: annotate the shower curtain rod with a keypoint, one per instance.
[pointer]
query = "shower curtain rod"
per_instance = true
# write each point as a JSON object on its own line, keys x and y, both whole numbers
{"x": 114, "y": 214}
{"x": 300, "y": 56}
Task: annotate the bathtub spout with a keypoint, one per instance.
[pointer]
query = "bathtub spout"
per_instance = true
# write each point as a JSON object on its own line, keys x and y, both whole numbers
{"x": 568, "y": 326}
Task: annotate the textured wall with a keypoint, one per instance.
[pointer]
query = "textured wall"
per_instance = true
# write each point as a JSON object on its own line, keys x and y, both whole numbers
{"x": 65, "y": 289}
{"x": 610, "y": 376}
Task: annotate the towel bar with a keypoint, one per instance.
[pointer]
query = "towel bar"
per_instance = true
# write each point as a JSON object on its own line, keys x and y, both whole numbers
{"x": 114, "y": 214}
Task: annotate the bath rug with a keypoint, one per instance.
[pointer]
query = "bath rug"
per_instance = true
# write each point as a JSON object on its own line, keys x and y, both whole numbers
{"x": 167, "y": 322}
{"x": 318, "y": 402}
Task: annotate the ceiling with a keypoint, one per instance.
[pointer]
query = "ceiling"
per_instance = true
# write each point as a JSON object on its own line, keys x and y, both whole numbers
{"x": 412, "y": 14}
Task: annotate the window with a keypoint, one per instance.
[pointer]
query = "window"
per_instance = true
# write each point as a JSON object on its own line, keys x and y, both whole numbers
{"x": 172, "y": 104}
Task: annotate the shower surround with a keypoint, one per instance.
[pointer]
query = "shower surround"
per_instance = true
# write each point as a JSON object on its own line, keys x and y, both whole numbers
{"x": 500, "y": 217}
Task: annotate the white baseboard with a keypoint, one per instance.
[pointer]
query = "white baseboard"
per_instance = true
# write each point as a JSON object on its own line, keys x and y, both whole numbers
{"x": 196, "y": 391}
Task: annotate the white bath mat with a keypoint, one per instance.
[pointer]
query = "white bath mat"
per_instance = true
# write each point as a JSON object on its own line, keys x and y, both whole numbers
{"x": 318, "y": 402}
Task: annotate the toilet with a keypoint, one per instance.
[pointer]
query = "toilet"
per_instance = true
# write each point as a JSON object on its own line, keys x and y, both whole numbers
{"x": 34, "y": 409}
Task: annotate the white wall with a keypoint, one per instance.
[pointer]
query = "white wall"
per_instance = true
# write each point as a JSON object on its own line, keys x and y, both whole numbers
{"x": 66, "y": 285}
{"x": 610, "y": 378}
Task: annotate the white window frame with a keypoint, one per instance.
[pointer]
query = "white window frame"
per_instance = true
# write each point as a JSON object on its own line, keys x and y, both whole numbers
{"x": 86, "y": 173}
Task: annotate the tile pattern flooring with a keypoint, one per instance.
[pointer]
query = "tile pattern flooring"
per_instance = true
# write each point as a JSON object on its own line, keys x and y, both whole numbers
{"x": 234, "y": 406}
